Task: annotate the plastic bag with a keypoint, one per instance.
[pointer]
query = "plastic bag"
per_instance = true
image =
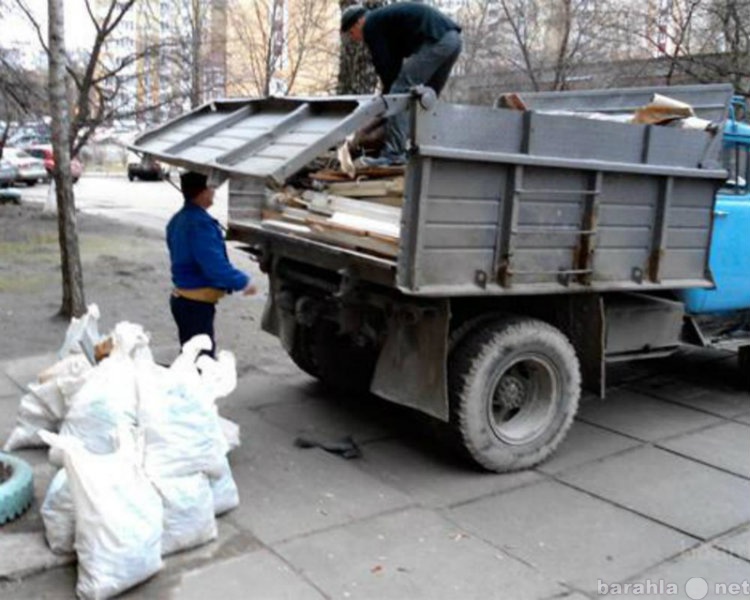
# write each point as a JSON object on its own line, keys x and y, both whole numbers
{"x": 118, "y": 515}
{"x": 106, "y": 396}
{"x": 58, "y": 515}
{"x": 85, "y": 329}
{"x": 188, "y": 512}
{"x": 106, "y": 400}
{"x": 74, "y": 366}
{"x": 231, "y": 432}
{"x": 41, "y": 409}
{"x": 226, "y": 496}
{"x": 178, "y": 414}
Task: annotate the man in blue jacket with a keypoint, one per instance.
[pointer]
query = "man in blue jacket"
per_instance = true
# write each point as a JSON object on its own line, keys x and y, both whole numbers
{"x": 410, "y": 44}
{"x": 201, "y": 271}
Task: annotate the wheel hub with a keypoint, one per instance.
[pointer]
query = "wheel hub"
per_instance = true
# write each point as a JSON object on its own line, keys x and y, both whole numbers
{"x": 511, "y": 392}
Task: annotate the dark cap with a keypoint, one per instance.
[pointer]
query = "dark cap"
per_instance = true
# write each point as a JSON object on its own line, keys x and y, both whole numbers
{"x": 192, "y": 184}
{"x": 350, "y": 16}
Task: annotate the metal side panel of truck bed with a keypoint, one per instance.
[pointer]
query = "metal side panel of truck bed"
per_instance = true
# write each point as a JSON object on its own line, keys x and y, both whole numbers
{"x": 496, "y": 201}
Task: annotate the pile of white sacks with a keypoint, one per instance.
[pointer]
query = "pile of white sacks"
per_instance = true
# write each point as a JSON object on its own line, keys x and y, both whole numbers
{"x": 143, "y": 453}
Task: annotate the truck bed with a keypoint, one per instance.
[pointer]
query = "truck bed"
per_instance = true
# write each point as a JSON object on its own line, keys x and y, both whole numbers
{"x": 496, "y": 201}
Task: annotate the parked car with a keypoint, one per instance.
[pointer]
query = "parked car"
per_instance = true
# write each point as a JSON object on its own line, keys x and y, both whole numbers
{"x": 148, "y": 169}
{"x": 8, "y": 173}
{"x": 45, "y": 153}
{"x": 30, "y": 169}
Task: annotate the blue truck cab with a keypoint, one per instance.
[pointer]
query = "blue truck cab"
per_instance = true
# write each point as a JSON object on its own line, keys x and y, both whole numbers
{"x": 729, "y": 259}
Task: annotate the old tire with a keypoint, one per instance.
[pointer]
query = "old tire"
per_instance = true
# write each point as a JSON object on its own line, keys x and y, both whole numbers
{"x": 514, "y": 389}
{"x": 302, "y": 352}
{"x": 17, "y": 492}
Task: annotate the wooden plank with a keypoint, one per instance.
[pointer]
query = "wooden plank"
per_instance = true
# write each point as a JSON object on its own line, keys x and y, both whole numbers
{"x": 369, "y": 188}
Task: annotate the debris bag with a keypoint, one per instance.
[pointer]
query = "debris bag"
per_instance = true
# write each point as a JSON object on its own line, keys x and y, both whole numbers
{"x": 231, "y": 432}
{"x": 74, "y": 365}
{"x": 82, "y": 333}
{"x": 41, "y": 409}
{"x": 188, "y": 512}
{"x": 178, "y": 413}
{"x": 106, "y": 397}
{"x": 58, "y": 515}
{"x": 118, "y": 516}
{"x": 226, "y": 496}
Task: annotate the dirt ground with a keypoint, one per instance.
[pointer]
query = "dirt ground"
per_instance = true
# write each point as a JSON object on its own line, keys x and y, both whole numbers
{"x": 126, "y": 273}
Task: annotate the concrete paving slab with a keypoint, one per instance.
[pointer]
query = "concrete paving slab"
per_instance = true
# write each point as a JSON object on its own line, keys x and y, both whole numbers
{"x": 258, "y": 574}
{"x": 431, "y": 475}
{"x": 701, "y": 573}
{"x": 642, "y": 417}
{"x": 54, "y": 584}
{"x": 8, "y": 415}
{"x": 23, "y": 554}
{"x": 287, "y": 491}
{"x": 682, "y": 493}
{"x": 25, "y": 370}
{"x": 411, "y": 554}
{"x": 332, "y": 418}
{"x": 726, "y": 446}
{"x": 8, "y": 387}
{"x": 256, "y": 389}
{"x": 737, "y": 542}
{"x": 569, "y": 535}
{"x": 717, "y": 401}
{"x": 585, "y": 443}
{"x": 744, "y": 418}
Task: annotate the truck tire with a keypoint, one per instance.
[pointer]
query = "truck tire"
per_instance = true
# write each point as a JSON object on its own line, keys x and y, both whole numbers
{"x": 302, "y": 352}
{"x": 514, "y": 390}
{"x": 16, "y": 492}
{"x": 341, "y": 364}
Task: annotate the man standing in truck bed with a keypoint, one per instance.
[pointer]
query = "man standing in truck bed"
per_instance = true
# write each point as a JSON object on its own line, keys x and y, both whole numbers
{"x": 410, "y": 44}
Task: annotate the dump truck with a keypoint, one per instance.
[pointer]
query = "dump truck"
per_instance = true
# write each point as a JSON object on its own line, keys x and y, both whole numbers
{"x": 529, "y": 248}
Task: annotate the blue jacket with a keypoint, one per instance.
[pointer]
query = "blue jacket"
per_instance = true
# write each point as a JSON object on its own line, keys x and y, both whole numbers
{"x": 198, "y": 253}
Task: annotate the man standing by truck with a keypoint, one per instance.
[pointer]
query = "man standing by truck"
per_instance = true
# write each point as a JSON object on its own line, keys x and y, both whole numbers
{"x": 201, "y": 271}
{"x": 411, "y": 44}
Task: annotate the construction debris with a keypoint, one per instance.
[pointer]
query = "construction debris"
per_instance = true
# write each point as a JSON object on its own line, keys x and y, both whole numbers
{"x": 360, "y": 210}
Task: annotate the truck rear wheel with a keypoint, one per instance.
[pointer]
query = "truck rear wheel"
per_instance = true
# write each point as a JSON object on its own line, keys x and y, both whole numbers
{"x": 514, "y": 386}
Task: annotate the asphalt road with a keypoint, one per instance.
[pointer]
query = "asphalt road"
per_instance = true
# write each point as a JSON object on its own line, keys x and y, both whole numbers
{"x": 147, "y": 204}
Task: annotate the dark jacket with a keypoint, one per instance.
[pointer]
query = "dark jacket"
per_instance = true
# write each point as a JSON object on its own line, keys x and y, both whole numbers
{"x": 198, "y": 253}
{"x": 397, "y": 31}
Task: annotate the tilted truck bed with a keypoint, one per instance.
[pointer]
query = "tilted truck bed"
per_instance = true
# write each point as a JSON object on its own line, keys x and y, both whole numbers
{"x": 496, "y": 201}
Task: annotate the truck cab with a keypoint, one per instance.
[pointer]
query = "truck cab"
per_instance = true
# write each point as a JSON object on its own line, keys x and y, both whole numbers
{"x": 729, "y": 259}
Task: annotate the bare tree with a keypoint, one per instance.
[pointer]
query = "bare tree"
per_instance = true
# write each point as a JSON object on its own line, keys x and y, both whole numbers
{"x": 22, "y": 94}
{"x": 282, "y": 47}
{"x": 73, "y": 300}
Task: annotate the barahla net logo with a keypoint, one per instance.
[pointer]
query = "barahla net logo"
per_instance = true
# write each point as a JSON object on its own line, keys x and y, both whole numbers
{"x": 695, "y": 588}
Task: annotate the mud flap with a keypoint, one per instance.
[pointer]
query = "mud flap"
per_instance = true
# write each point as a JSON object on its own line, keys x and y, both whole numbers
{"x": 411, "y": 368}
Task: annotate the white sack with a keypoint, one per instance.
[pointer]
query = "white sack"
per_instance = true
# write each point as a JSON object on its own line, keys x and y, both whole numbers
{"x": 188, "y": 512}
{"x": 224, "y": 490}
{"x": 106, "y": 396}
{"x": 74, "y": 365}
{"x": 118, "y": 517}
{"x": 41, "y": 409}
{"x": 86, "y": 328}
{"x": 58, "y": 515}
{"x": 231, "y": 432}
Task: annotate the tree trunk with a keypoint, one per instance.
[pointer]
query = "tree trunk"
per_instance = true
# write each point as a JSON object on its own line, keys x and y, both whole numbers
{"x": 73, "y": 301}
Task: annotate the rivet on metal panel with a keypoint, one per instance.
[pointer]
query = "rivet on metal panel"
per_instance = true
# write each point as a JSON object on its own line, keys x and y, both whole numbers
{"x": 480, "y": 278}
{"x": 637, "y": 274}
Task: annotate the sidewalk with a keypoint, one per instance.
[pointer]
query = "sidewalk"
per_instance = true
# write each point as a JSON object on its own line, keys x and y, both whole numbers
{"x": 651, "y": 487}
